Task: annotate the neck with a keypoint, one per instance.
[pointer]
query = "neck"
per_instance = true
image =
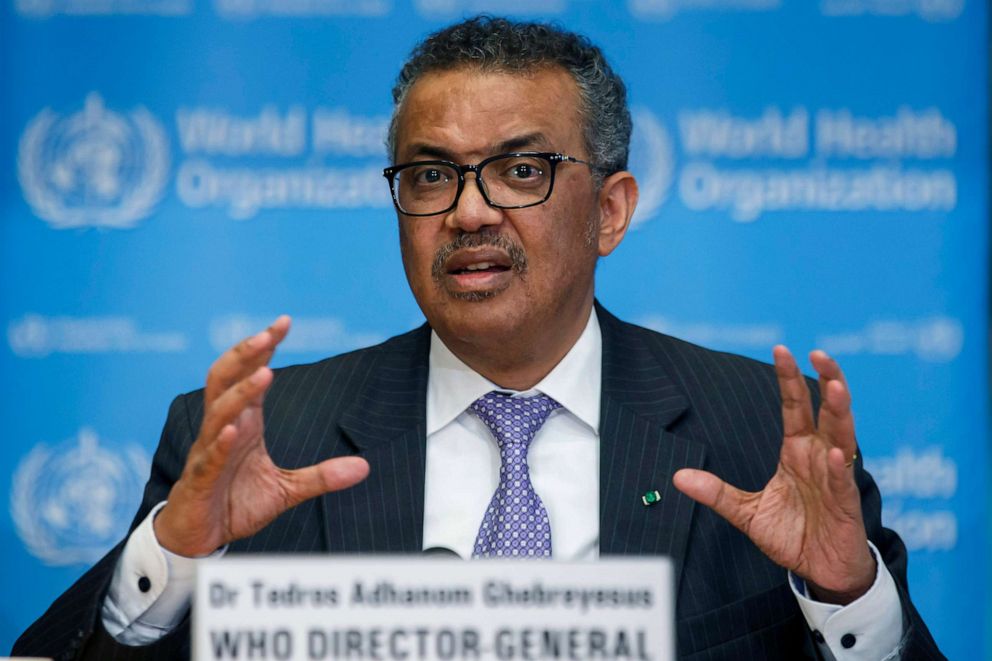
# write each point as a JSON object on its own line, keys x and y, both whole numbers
{"x": 520, "y": 360}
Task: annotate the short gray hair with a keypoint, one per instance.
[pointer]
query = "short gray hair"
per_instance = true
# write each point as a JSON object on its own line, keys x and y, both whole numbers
{"x": 497, "y": 44}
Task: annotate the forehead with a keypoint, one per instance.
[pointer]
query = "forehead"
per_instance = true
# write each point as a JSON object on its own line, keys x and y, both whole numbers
{"x": 472, "y": 113}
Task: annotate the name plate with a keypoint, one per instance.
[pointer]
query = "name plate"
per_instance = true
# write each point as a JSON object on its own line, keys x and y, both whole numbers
{"x": 307, "y": 607}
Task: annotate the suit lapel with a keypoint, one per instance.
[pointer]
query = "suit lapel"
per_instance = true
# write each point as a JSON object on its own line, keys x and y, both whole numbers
{"x": 639, "y": 453}
{"x": 385, "y": 424}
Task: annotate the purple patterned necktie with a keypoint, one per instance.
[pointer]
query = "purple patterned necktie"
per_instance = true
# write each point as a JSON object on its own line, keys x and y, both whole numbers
{"x": 515, "y": 523}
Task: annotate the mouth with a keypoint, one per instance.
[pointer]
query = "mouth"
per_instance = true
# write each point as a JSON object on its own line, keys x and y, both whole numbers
{"x": 478, "y": 273}
{"x": 477, "y": 266}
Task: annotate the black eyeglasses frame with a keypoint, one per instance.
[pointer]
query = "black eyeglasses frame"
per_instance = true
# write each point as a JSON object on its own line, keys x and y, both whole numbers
{"x": 554, "y": 158}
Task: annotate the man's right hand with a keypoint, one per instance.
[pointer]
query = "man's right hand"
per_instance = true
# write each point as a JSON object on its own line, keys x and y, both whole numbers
{"x": 230, "y": 488}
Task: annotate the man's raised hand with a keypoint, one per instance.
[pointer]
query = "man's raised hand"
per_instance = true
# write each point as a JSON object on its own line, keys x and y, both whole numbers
{"x": 229, "y": 487}
{"x": 808, "y": 516}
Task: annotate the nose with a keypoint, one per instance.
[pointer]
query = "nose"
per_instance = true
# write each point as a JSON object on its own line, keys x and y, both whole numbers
{"x": 472, "y": 212}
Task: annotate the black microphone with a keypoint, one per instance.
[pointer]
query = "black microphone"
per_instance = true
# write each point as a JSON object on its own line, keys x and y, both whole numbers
{"x": 441, "y": 552}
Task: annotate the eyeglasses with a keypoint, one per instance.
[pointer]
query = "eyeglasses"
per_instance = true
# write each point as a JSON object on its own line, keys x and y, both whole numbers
{"x": 506, "y": 181}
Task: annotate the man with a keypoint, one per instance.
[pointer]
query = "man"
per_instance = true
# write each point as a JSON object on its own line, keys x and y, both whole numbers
{"x": 510, "y": 143}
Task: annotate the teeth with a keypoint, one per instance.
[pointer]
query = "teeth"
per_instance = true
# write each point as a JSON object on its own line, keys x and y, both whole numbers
{"x": 481, "y": 266}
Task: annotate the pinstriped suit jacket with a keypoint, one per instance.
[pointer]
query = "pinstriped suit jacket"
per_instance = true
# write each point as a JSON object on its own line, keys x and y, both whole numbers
{"x": 665, "y": 405}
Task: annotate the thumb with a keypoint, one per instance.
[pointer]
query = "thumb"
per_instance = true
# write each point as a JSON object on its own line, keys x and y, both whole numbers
{"x": 330, "y": 475}
{"x": 706, "y": 488}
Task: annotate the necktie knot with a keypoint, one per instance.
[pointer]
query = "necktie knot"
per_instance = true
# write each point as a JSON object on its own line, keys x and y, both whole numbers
{"x": 513, "y": 420}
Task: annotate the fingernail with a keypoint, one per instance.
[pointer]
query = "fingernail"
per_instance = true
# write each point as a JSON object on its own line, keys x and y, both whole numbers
{"x": 256, "y": 378}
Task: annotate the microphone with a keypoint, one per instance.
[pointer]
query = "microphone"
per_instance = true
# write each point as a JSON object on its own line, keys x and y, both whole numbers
{"x": 441, "y": 552}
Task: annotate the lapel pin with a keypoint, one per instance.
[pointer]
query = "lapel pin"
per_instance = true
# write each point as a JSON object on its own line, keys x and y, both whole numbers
{"x": 650, "y": 498}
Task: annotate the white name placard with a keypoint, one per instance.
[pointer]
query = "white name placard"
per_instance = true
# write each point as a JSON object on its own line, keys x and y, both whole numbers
{"x": 312, "y": 608}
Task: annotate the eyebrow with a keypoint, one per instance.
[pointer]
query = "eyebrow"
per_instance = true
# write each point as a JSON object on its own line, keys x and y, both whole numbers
{"x": 517, "y": 143}
{"x": 431, "y": 151}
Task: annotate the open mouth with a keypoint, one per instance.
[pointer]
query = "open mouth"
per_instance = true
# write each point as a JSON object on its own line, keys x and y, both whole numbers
{"x": 475, "y": 272}
{"x": 478, "y": 261}
{"x": 479, "y": 267}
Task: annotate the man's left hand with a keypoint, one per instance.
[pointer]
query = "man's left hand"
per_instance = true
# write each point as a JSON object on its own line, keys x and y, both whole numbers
{"x": 808, "y": 517}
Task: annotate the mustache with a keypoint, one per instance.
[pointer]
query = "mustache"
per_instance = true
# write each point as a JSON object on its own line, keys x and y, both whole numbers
{"x": 518, "y": 258}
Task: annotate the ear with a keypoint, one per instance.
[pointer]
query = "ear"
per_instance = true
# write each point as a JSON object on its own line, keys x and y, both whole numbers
{"x": 617, "y": 200}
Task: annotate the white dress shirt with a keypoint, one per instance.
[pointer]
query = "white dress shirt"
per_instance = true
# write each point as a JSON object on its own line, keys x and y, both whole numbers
{"x": 462, "y": 472}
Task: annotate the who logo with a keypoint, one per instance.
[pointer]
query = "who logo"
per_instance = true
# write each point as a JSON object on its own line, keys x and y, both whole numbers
{"x": 93, "y": 168}
{"x": 652, "y": 160}
{"x": 71, "y": 502}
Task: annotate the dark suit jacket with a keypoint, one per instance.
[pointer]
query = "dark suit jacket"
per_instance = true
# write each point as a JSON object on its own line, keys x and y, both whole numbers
{"x": 666, "y": 404}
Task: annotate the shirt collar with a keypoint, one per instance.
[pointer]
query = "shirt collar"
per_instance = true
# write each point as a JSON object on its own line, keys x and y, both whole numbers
{"x": 575, "y": 382}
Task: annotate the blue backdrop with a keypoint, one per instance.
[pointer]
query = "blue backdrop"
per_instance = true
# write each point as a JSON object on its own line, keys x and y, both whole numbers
{"x": 178, "y": 172}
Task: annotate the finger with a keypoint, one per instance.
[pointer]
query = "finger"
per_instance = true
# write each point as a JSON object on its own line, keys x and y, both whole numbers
{"x": 826, "y": 367}
{"x": 244, "y": 358}
{"x": 797, "y": 407}
{"x": 733, "y": 504}
{"x": 209, "y": 463}
{"x": 227, "y": 407}
{"x": 835, "y": 422}
{"x": 330, "y": 475}
{"x": 841, "y": 481}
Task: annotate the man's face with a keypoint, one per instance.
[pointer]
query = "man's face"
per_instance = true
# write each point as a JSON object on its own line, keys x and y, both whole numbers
{"x": 480, "y": 274}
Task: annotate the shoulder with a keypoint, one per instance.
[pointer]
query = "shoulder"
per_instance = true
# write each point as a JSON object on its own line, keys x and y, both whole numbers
{"x": 730, "y": 403}
{"x": 343, "y": 375}
{"x": 409, "y": 347}
{"x": 695, "y": 368}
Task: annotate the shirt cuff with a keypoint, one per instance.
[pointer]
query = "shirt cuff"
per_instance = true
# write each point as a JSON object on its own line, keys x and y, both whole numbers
{"x": 151, "y": 589}
{"x": 869, "y": 628}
